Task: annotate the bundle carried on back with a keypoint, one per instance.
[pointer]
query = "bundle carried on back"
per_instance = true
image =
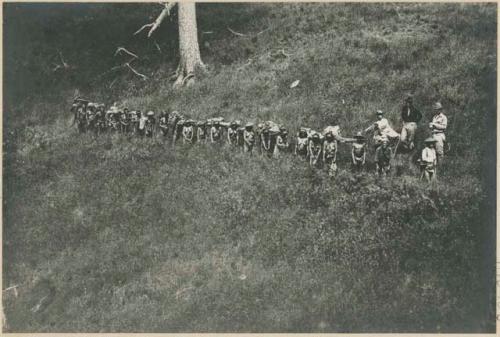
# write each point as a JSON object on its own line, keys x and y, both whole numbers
{"x": 334, "y": 130}
{"x": 219, "y": 120}
{"x": 272, "y": 127}
{"x": 311, "y": 133}
{"x": 81, "y": 101}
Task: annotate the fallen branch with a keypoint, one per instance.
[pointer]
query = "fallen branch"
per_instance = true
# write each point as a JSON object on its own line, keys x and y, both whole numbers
{"x": 57, "y": 67}
{"x": 241, "y": 34}
{"x": 179, "y": 292}
{"x": 282, "y": 51}
{"x": 144, "y": 77}
{"x": 37, "y": 307}
{"x": 246, "y": 64}
{"x": 64, "y": 65}
{"x": 112, "y": 83}
{"x": 124, "y": 65}
{"x": 122, "y": 49}
{"x": 262, "y": 31}
{"x": 157, "y": 46}
{"x": 154, "y": 25}
{"x": 279, "y": 53}
{"x": 13, "y": 288}
{"x": 62, "y": 60}
{"x": 235, "y": 33}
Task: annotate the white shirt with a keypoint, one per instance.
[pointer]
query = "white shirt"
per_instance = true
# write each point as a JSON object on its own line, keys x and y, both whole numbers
{"x": 429, "y": 155}
{"x": 383, "y": 128}
{"x": 382, "y": 124}
{"x": 440, "y": 123}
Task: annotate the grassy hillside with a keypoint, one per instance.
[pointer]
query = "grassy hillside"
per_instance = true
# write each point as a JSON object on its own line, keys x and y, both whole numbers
{"x": 118, "y": 234}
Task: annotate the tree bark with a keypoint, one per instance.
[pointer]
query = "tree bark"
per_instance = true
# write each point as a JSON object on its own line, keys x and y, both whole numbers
{"x": 190, "y": 59}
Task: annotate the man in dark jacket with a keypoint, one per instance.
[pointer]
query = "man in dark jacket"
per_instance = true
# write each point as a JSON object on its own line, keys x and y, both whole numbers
{"x": 410, "y": 116}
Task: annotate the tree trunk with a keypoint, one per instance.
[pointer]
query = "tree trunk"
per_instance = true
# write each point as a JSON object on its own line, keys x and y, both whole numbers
{"x": 190, "y": 59}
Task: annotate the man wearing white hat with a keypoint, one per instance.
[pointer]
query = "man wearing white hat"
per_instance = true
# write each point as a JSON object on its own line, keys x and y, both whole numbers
{"x": 438, "y": 127}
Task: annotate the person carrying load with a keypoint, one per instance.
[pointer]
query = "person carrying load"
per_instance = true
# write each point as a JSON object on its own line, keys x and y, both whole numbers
{"x": 163, "y": 123}
{"x": 201, "y": 134}
{"x": 358, "y": 152}
{"x": 248, "y": 138}
{"x": 332, "y": 136}
{"x": 302, "y": 143}
{"x": 150, "y": 124}
{"x": 315, "y": 146}
{"x": 281, "y": 142}
{"x": 216, "y": 129}
{"x": 232, "y": 133}
{"x": 124, "y": 121}
{"x": 268, "y": 137}
{"x": 188, "y": 132}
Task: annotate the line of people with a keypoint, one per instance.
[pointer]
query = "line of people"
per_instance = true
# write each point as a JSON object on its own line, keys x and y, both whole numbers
{"x": 271, "y": 139}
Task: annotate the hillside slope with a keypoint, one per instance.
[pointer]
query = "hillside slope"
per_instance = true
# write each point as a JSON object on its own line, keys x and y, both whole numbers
{"x": 118, "y": 234}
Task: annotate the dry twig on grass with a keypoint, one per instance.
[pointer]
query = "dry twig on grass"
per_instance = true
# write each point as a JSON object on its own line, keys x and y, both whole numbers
{"x": 64, "y": 65}
{"x": 235, "y": 33}
{"x": 122, "y": 49}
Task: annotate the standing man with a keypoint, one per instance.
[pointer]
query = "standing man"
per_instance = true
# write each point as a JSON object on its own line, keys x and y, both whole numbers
{"x": 201, "y": 135}
{"x": 302, "y": 143}
{"x": 258, "y": 132}
{"x": 314, "y": 149}
{"x": 232, "y": 133}
{"x": 410, "y": 117}
{"x": 163, "y": 123}
{"x": 215, "y": 131}
{"x": 281, "y": 142}
{"x": 265, "y": 141}
{"x": 383, "y": 156}
{"x": 134, "y": 121}
{"x": 142, "y": 123}
{"x": 330, "y": 153}
{"x": 124, "y": 120}
{"x": 100, "y": 122}
{"x": 438, "y": 127}
{"x": 358, "y": 152}
{"x": 179, "y": 126}
{"x": 150, "y": 124}
{"x": 188, "y": 132}
{"x": 248, "y": 138}
{"x": 239, "y": 138}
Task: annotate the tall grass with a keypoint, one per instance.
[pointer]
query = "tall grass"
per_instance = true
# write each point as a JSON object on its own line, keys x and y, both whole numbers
{"x": 123, "y": 234}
